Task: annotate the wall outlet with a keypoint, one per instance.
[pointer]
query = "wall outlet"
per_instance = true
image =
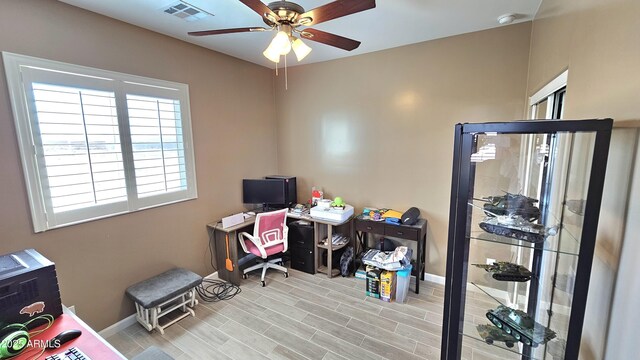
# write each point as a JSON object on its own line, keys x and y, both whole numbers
{"x": 490, "y": 261}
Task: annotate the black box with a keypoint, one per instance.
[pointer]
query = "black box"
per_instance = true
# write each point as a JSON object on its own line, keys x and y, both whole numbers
{"x": 335, "y": 257}
{"x": 301, "y": 246}
{"x": 290, "y": 189}
{"x": 28, "y": 288}
{"x": 373, "y": 281}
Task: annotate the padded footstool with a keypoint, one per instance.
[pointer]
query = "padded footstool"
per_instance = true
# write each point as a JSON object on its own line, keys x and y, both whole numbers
{"x": 160, "y": 295}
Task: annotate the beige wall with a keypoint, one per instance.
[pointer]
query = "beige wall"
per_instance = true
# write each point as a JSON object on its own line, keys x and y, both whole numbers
{"x": 96, "y": 261}
{"x": 598, "y": 42}
{"x": 377, "y": 129}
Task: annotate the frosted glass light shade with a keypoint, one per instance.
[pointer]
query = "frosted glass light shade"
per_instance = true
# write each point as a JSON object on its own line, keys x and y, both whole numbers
{"x": 300, "y": 49}
{"x": 272, "y": 54}
{"x": 281, "y": 43}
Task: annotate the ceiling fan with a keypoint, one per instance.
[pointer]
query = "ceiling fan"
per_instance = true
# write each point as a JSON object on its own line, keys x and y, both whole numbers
{"x": 288, "y": 18}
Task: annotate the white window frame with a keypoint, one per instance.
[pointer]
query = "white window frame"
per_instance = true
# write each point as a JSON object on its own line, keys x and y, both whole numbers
{"x": 548, "y": 92}
{"x": 18, "y": 69}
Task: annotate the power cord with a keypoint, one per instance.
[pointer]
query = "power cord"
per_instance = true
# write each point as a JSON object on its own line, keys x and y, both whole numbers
{"x": 213, "y": 290}
{"x": 211, "y": 245}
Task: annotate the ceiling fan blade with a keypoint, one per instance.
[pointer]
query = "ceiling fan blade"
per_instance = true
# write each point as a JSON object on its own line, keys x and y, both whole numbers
{"x": 330, "y": 39}
{"x": 337, "y": 9}
{"x": 225, "y": 31}
{"x": 259, "y": 7}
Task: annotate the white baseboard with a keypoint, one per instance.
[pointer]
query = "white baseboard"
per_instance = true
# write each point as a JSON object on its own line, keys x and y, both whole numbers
{"x": 212, "y": 275}
{"x": 119, "y": 326}
{"x": 131, "y": 319}
{"x": 434, "y": 278}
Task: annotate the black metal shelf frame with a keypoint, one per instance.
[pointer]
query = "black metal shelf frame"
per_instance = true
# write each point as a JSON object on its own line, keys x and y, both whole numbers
{"x": 460, "y": 217}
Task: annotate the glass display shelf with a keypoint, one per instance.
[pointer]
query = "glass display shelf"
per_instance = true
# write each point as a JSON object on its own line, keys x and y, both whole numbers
{"x": 567, "y": 247}
{"x": 553, "y": 280}
{"x": 566, "y": 240}
{"x": 479, "y": 333}
{"x": 495, "y": 350}
{"x": 503, "y": 290}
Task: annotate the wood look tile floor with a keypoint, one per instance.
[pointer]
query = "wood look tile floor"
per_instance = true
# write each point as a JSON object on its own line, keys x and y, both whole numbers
{"x": 307, "y": 317}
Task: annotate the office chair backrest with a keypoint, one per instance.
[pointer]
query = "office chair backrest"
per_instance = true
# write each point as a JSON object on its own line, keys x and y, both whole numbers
{"x": 270, "y": 226}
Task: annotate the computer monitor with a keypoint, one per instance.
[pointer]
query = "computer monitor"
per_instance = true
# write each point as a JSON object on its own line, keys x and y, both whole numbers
{"x": 269, "y": 192}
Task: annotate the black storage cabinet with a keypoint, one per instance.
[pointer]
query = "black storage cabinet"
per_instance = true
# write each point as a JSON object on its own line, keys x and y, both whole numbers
{"x": 301, "y": 247}
{"x": 560, "y": 166}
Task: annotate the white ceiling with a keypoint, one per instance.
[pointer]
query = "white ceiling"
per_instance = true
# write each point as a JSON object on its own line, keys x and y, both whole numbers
{"x": 391, "y": 24}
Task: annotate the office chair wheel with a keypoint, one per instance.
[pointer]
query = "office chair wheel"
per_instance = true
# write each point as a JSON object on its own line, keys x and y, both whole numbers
{"x": 263, "y": 283}
{"x": 244, "y": 276}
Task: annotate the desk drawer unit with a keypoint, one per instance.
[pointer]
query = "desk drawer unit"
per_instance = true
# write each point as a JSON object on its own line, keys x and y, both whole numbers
{"x": 300, "y": 235}
{"x": 370, "y": 227}
{"x": 301, "y": 247}
{"x": 401, "y": 232}
{"x": 302, "y": 259}
{"x": 297, "y": 242}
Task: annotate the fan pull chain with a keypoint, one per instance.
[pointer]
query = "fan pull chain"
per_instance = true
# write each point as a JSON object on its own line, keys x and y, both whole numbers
{"x": 286, "y": 80}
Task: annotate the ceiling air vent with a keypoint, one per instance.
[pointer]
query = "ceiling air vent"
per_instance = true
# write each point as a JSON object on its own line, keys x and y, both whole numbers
{"x": 186, "y": 11}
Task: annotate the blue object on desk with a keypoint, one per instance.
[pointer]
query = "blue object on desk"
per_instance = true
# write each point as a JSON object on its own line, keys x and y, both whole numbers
{"x": 391, "y": 220}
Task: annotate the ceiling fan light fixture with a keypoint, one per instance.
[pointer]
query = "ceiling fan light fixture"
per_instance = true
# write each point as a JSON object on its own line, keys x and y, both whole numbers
{"x": 300, "y": 49}
{"x": 272, "y": 54}
{"x": 281, "y": 43}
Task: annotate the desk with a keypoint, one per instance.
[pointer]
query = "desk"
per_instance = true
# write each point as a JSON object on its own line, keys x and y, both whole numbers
{"x": 322, "y": 229}
{"x": 90, "y": 343}
{"x": 217, "y": 237}
{"x": 416, "y": 232}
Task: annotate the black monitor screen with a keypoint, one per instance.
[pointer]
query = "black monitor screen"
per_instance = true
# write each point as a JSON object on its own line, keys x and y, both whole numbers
{"x": 263, "y": 191}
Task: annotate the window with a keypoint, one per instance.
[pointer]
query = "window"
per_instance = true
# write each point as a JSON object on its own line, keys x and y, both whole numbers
{"x": 548, "y": 102}
{"x": 96, "y": 143}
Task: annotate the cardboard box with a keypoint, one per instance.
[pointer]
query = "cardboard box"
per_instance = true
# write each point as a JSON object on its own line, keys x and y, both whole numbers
{"x": 388, "y": 285}
{"x": 373, "y": 282}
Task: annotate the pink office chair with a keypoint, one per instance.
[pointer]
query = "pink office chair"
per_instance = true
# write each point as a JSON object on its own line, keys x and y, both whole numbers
{"x": 269, "y": 238}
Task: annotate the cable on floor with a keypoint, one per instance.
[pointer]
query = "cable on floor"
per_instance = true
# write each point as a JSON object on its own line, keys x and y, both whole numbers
{"x": 213, "y": 290}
